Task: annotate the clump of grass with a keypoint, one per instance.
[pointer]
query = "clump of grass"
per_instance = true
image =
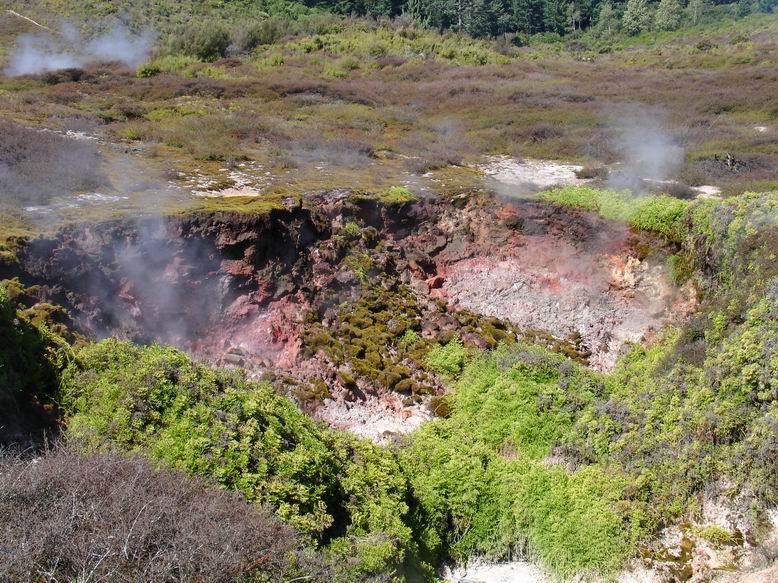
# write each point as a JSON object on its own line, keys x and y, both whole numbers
{"x": 660, "y": 214}
{"x": 352, "y": 229}
{"x": 612, "y": 205}
{"x": 396, "y": 195}
{"x": 334, "y": 72}
{"x": 714, "y": 534}
{"x": 166, "y": 64}
{"x": 132, "y": 132}
{"x": 250, "y": 205}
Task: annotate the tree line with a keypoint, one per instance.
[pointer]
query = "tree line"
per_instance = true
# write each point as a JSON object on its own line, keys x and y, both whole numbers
{"x": 484, "y": 18}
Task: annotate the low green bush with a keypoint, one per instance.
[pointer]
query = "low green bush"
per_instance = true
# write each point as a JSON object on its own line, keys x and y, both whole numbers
{"x": 480, "y": 480}
{"x": 331, "y": 486}
{"x": 448, "y": 359}
{"x": 660, "y": 214}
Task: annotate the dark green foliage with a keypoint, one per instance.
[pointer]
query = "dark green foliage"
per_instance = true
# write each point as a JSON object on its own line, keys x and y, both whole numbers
{"x": 206, "y": 41}
{"x": 370, "y": 337}
{"x": 31, "y": 357}
{"x": 251, "y": 24}
{"x": 527, "y": 16}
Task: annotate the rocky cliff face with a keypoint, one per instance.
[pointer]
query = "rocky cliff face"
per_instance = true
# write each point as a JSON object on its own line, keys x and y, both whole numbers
{"x": 325, "y": 297}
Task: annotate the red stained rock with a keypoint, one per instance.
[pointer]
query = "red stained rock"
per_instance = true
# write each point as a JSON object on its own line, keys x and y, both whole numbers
{"x": 435, "y": 282}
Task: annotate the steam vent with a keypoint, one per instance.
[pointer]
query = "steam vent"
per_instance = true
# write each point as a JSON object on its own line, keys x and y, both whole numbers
{"x": 393, "y": 292}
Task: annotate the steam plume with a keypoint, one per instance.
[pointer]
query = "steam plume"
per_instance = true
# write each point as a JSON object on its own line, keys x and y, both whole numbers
{"x": 648, "y": 152}
{"x": 42, "y": 51}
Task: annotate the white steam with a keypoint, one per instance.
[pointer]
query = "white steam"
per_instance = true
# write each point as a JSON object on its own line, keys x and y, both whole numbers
{"x": 40, "y": 52}
{"x": 647, "y": 151}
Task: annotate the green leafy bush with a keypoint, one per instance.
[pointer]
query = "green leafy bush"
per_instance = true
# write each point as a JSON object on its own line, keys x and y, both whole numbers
{"x": 352, "y": 229}
{"x": 448, "y": 359}
{"x": 207, "y": 40}
{"x": 147, "y": 70}
{"x": 215, "y": 423}
{"x": 660, "y": 214}
{"x": 478, "y": 474}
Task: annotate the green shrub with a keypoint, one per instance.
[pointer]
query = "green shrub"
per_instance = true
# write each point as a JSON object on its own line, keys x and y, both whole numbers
{"x": 31, "y": 358}
{"x": 352, "y": 229}
{"x": 172, "y": 63}
{"x": 334, "y": 72}
{"x": 208, "y": 41}
{"x": 148, "y": 70}
{"x": 215, "y": 423}
{"x": 395, "y": 195}
{"x": 616, "y": 206}
{"x": 660, "y": 214}
{"x": 714, "y": 534}
{"x": 663, "y": 215}
{"x": 275, "y": 60}
{"x": 409, "y": 337}
{"x": 478, "y": 477}
{"x": 447, "y": 360}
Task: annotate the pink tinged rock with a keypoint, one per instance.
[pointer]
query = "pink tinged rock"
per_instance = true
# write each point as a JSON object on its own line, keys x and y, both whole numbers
{"x": 438, "y": 294}
{"x": 435, "y": 282}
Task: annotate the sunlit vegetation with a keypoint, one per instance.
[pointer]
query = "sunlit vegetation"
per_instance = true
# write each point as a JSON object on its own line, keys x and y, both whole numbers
{"x": 533, "y": 454}
{"x": 332, "y": 487}
{"x": 327, "y": 102}
{"x": 657, "y": 214}
{"x": 582, "y": 467}
{"x": 529, "y": 454}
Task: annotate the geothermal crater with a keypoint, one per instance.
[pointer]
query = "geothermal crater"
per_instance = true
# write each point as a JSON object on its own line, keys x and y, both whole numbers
{"x": 283, "y": 294}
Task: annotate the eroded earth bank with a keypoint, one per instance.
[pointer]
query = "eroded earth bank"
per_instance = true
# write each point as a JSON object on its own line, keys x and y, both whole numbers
{"x": 339, "y": 300}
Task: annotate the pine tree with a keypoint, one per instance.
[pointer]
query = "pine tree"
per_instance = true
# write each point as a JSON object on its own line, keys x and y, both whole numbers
{"x": 527, "y": 15}
{"x": 668, "y": 15}
{"x": 554, "y": 16}
{"x": 744, "y": 8}
{"x": 637, "y": 17}
{"x": 479, "y": 18}
{"x": 415, "y": 11}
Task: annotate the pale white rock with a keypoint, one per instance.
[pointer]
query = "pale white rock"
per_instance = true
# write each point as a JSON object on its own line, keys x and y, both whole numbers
{"x": 533, "y": 174}
{"x": 486, "y": 572}
{"x": 707, "y": 191}
{"x": 380, "y": 419}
